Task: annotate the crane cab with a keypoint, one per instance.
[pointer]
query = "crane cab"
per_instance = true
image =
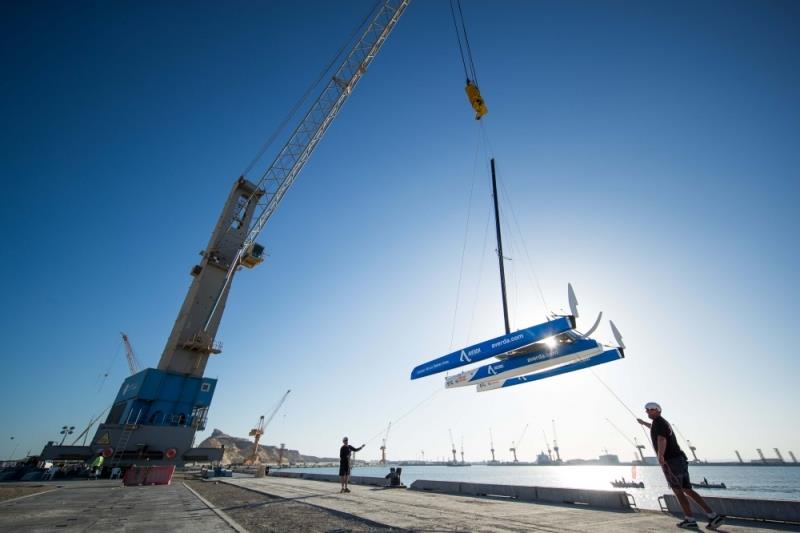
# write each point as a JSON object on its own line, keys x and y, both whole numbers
{"x": 254, "y": 255}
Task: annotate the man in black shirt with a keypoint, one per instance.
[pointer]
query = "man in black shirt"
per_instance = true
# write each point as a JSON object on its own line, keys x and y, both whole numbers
{"x": 676, "y": 468}
{"x": 344, "y": 463}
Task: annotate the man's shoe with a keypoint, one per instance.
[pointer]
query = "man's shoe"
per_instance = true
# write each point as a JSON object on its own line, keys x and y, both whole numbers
{"x": 347, "y": 490}
{"x": 688, "y": 524}
{"x": 715, "y": 522}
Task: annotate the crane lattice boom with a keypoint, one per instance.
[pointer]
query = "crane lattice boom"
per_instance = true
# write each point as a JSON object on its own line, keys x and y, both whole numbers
{"x": 283, "y": 170}
{"x": 133, "y": 364}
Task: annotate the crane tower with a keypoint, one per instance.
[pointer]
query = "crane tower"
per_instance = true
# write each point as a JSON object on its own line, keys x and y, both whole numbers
{"x": 555, "y": 443}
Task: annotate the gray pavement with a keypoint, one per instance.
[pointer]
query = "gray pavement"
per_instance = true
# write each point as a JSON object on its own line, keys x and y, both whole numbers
{"x": 108, "y": 506}
{"x": 423, "y": 511}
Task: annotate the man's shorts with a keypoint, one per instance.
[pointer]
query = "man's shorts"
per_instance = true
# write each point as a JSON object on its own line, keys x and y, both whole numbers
{"x": 677, "y": 473}
{"x": 344, "y": 468}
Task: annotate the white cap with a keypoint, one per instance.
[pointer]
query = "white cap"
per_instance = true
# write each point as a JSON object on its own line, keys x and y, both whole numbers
{"x": 652, "y": 405}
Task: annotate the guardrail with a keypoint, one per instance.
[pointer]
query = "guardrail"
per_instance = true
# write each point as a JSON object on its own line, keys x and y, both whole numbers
{"x": 605, "y": 499}
{"x": 751, "y": 509}
{"x": 354, "y": 480}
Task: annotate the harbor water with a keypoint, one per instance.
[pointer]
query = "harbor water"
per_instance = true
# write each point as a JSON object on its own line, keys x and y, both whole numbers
{"x": 770, "y": 482}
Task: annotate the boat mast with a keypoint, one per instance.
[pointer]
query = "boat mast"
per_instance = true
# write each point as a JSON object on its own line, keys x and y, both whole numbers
{"x": 500, "y": 249}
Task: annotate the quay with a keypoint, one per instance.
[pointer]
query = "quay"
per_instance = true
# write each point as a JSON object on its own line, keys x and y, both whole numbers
{"x": 296, "y": 504}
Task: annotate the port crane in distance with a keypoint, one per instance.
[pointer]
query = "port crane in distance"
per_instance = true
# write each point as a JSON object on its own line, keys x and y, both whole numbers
{"x": 258, "y": 431}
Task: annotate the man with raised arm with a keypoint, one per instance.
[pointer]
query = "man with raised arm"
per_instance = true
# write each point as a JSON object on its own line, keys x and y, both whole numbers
{"x": 344, "y": 463}
{"x": 676, "y": 468}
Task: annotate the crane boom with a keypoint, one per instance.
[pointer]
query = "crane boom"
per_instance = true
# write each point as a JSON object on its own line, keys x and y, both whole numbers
{"x": 249, "y": 206}
{"x": 274, "y": 411}
{"x": 283, "y": 170}
{"x": 133, "y": 364}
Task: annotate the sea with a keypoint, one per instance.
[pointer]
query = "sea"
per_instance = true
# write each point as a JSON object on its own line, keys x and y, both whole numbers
{"x": 763, "y": 482}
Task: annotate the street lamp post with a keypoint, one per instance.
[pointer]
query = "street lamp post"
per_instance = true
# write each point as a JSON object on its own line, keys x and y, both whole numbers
{"x": 66, "y": 430}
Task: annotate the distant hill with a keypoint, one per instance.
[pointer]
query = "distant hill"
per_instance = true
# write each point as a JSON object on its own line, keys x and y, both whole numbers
{"x": 238, "y": 448}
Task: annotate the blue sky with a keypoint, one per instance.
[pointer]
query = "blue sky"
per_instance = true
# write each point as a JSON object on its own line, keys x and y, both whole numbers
{"x": 648, "y": 151}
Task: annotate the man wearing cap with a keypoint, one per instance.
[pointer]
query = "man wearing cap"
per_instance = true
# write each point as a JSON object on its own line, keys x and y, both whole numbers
{"x": 344, "y": 463}
{"x": 676, "y": 468}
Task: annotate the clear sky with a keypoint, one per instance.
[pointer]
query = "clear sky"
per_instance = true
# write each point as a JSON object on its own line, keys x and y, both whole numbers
{"x": 648, "y": 153}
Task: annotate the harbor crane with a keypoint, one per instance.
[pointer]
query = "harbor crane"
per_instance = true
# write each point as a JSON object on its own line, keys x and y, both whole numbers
{"x": 133, "y": 364}
{"x": 778, "y": 453}
{"x": 739, "y": 456}
{"x": 258, "y": 431}
{"x": 547, "y": 445}
{"x": 514, "y": 445}
{"x": 555, "y": 442}
{"x": 691, "y": 447}
{"x": 491, "y": 444}
{"x": 452, "y": 446}
{"x": 634, "y": 442}
{"x": 462, "y": 450}
{"x": 791, "y": 454}
{"x": 640, "y": 448}
{"x": 383, "y": 444}
{"x": 159, "y": 410}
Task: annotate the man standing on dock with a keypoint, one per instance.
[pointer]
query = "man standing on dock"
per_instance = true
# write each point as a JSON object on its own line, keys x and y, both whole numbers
{"x": 344, "y": 463}
{"x": 676, "y": 468}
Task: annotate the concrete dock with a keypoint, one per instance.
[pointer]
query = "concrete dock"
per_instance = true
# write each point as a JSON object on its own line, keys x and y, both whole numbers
{"x": 106, "y": 506}
{"x": 423, "y": 511}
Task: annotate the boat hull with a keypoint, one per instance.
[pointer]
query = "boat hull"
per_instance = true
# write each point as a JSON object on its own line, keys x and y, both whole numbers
{"x": 524, "y": 364}
{"x": 495, "y": 347}
{"x": 605, "y": 357}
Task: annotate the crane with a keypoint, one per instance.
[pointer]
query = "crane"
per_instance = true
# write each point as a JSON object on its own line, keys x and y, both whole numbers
{"x": 634, "y": 442}
{"x": 452, "y": 446}
{"x": 547, "y": 445}
{"x": 133, "y": 364}
{"x": 514, "y": 445}
{"x": 640, "y": 449}
{"x": 491, "y": 444}
{"x": 258, "y": 431}
{"x": 383, "y": 444}
{"x": 141, "y": 421}
{"x": 555, "y": 442}
{"x": 692, "y": 448}
{"x": 462, "y": 450}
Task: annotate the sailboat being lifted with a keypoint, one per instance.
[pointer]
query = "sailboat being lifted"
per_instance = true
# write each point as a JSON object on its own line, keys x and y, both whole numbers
{"x": 541, "y": 351}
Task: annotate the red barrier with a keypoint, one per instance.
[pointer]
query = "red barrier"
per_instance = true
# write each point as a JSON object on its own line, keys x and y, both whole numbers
{"x": 149, "y": 475}
{"x": 134, "y": 476}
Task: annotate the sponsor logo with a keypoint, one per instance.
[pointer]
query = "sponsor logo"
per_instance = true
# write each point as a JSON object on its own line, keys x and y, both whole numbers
{"x": 509, "y": 340}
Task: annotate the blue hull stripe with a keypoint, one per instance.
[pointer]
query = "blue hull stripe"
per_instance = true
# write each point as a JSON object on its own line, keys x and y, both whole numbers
{"x": 494, "y": 347}
{"x": 605, "y": 357}
{"x": 523, "y": 364}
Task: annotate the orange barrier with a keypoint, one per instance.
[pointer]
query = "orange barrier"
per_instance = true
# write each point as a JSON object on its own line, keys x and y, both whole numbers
{"x": 149, "y": 475}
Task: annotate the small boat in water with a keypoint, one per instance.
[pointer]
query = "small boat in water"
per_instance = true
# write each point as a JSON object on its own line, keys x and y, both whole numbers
{"x": 624, "y": 484}
{"x": 706, "y": 485}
